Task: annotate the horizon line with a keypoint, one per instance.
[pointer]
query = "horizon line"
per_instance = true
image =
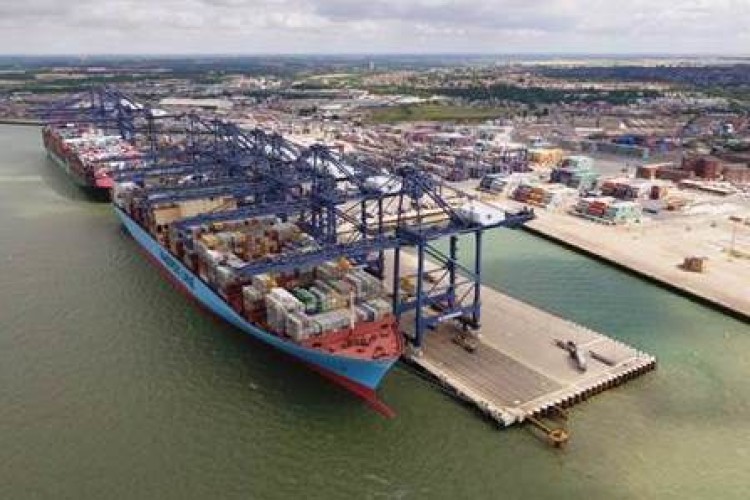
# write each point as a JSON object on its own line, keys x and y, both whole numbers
{"x": 387, "y": 54}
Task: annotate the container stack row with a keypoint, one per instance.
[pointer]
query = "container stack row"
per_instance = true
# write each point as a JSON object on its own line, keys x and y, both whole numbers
{"x": 608, "y": 209}
{"x": 550, "y": 196}
{"x": 545, "y": 157}
{"x": 301, "y": 303}
{"x": 635, "y": 189}
{"x": 319, "y": 306}
{"x": 505, "y": 183}
{"x": 88, "y": 150}
{"x": 576, "y": 172}
{"x": 224, "y": 248}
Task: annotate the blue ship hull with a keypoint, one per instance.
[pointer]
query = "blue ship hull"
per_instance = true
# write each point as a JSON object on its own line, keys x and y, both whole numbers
{"x": 358, "y": 375}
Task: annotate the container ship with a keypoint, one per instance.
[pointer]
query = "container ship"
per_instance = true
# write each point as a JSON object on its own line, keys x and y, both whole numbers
{"x": 87, "y": 154}
{"x": 334, "y": 317}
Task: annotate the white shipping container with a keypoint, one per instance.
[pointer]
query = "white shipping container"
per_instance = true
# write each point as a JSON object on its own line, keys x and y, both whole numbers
{"x": 285, "y": 298}
{"x": 481, "y": 214}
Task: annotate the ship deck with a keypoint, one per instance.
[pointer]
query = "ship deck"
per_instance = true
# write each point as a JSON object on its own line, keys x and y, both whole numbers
{"x": 518, "y": 371}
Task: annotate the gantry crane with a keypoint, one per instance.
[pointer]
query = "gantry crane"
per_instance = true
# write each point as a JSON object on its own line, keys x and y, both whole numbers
{"x": 347, "y": 206}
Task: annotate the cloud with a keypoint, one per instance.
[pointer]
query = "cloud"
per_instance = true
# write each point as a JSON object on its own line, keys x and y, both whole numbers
{"x": 369, "y": 26}
{"x": 514, "y": 14}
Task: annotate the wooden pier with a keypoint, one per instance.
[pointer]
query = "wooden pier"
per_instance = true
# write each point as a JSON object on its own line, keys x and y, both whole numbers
{"x": 518, "y": 370}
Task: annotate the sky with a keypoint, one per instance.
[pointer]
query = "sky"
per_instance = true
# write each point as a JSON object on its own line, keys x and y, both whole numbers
{"x": 373, "y": 26}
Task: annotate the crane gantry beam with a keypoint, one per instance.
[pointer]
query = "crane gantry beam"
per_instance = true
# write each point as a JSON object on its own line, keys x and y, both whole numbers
{"x": 269, "y": 175}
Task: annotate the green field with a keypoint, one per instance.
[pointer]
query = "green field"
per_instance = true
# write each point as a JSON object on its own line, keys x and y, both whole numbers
{"x": 435, "y": 112}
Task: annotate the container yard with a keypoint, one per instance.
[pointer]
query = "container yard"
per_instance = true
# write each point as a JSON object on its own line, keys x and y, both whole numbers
{"x": 656, "y": 248}
{"x": 295, "y": 256}
{"x": 649, "y": 222}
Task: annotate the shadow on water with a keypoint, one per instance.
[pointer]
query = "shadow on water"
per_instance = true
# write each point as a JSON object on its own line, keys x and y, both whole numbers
{"x": 297, "y": 387}
{"x": 233, "y": 359}
{"x": 64, "y": 186}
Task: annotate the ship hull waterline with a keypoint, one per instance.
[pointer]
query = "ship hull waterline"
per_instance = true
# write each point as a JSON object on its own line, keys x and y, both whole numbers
{"x": 360, "y": 377}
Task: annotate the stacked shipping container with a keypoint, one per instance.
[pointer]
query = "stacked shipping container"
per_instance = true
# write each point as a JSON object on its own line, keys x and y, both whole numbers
{"x": 301, "y": 304}
{"x": 635, "y": 189}
{"x": 609, "y": 210}
{"x": 576, "y": 172}
{"x": 89, "y": 153}
{"x": 549, "y": 196}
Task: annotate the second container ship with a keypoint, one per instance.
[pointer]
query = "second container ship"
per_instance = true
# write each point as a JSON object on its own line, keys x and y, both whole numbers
{"x": 87, "y": 154}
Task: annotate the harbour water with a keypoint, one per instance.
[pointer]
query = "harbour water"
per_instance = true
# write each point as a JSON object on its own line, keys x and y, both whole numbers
{"x": 113, "y": 385}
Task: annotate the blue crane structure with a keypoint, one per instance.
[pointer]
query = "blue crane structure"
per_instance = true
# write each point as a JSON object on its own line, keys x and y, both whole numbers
{"x": 111, "y": 110}
{"x": 351, "y": 209}
{"x": 103, "y": 106}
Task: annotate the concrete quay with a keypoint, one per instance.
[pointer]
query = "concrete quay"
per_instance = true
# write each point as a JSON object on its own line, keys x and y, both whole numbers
{"x": 655, "y": 252}
{"x": 518, "y": 371}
